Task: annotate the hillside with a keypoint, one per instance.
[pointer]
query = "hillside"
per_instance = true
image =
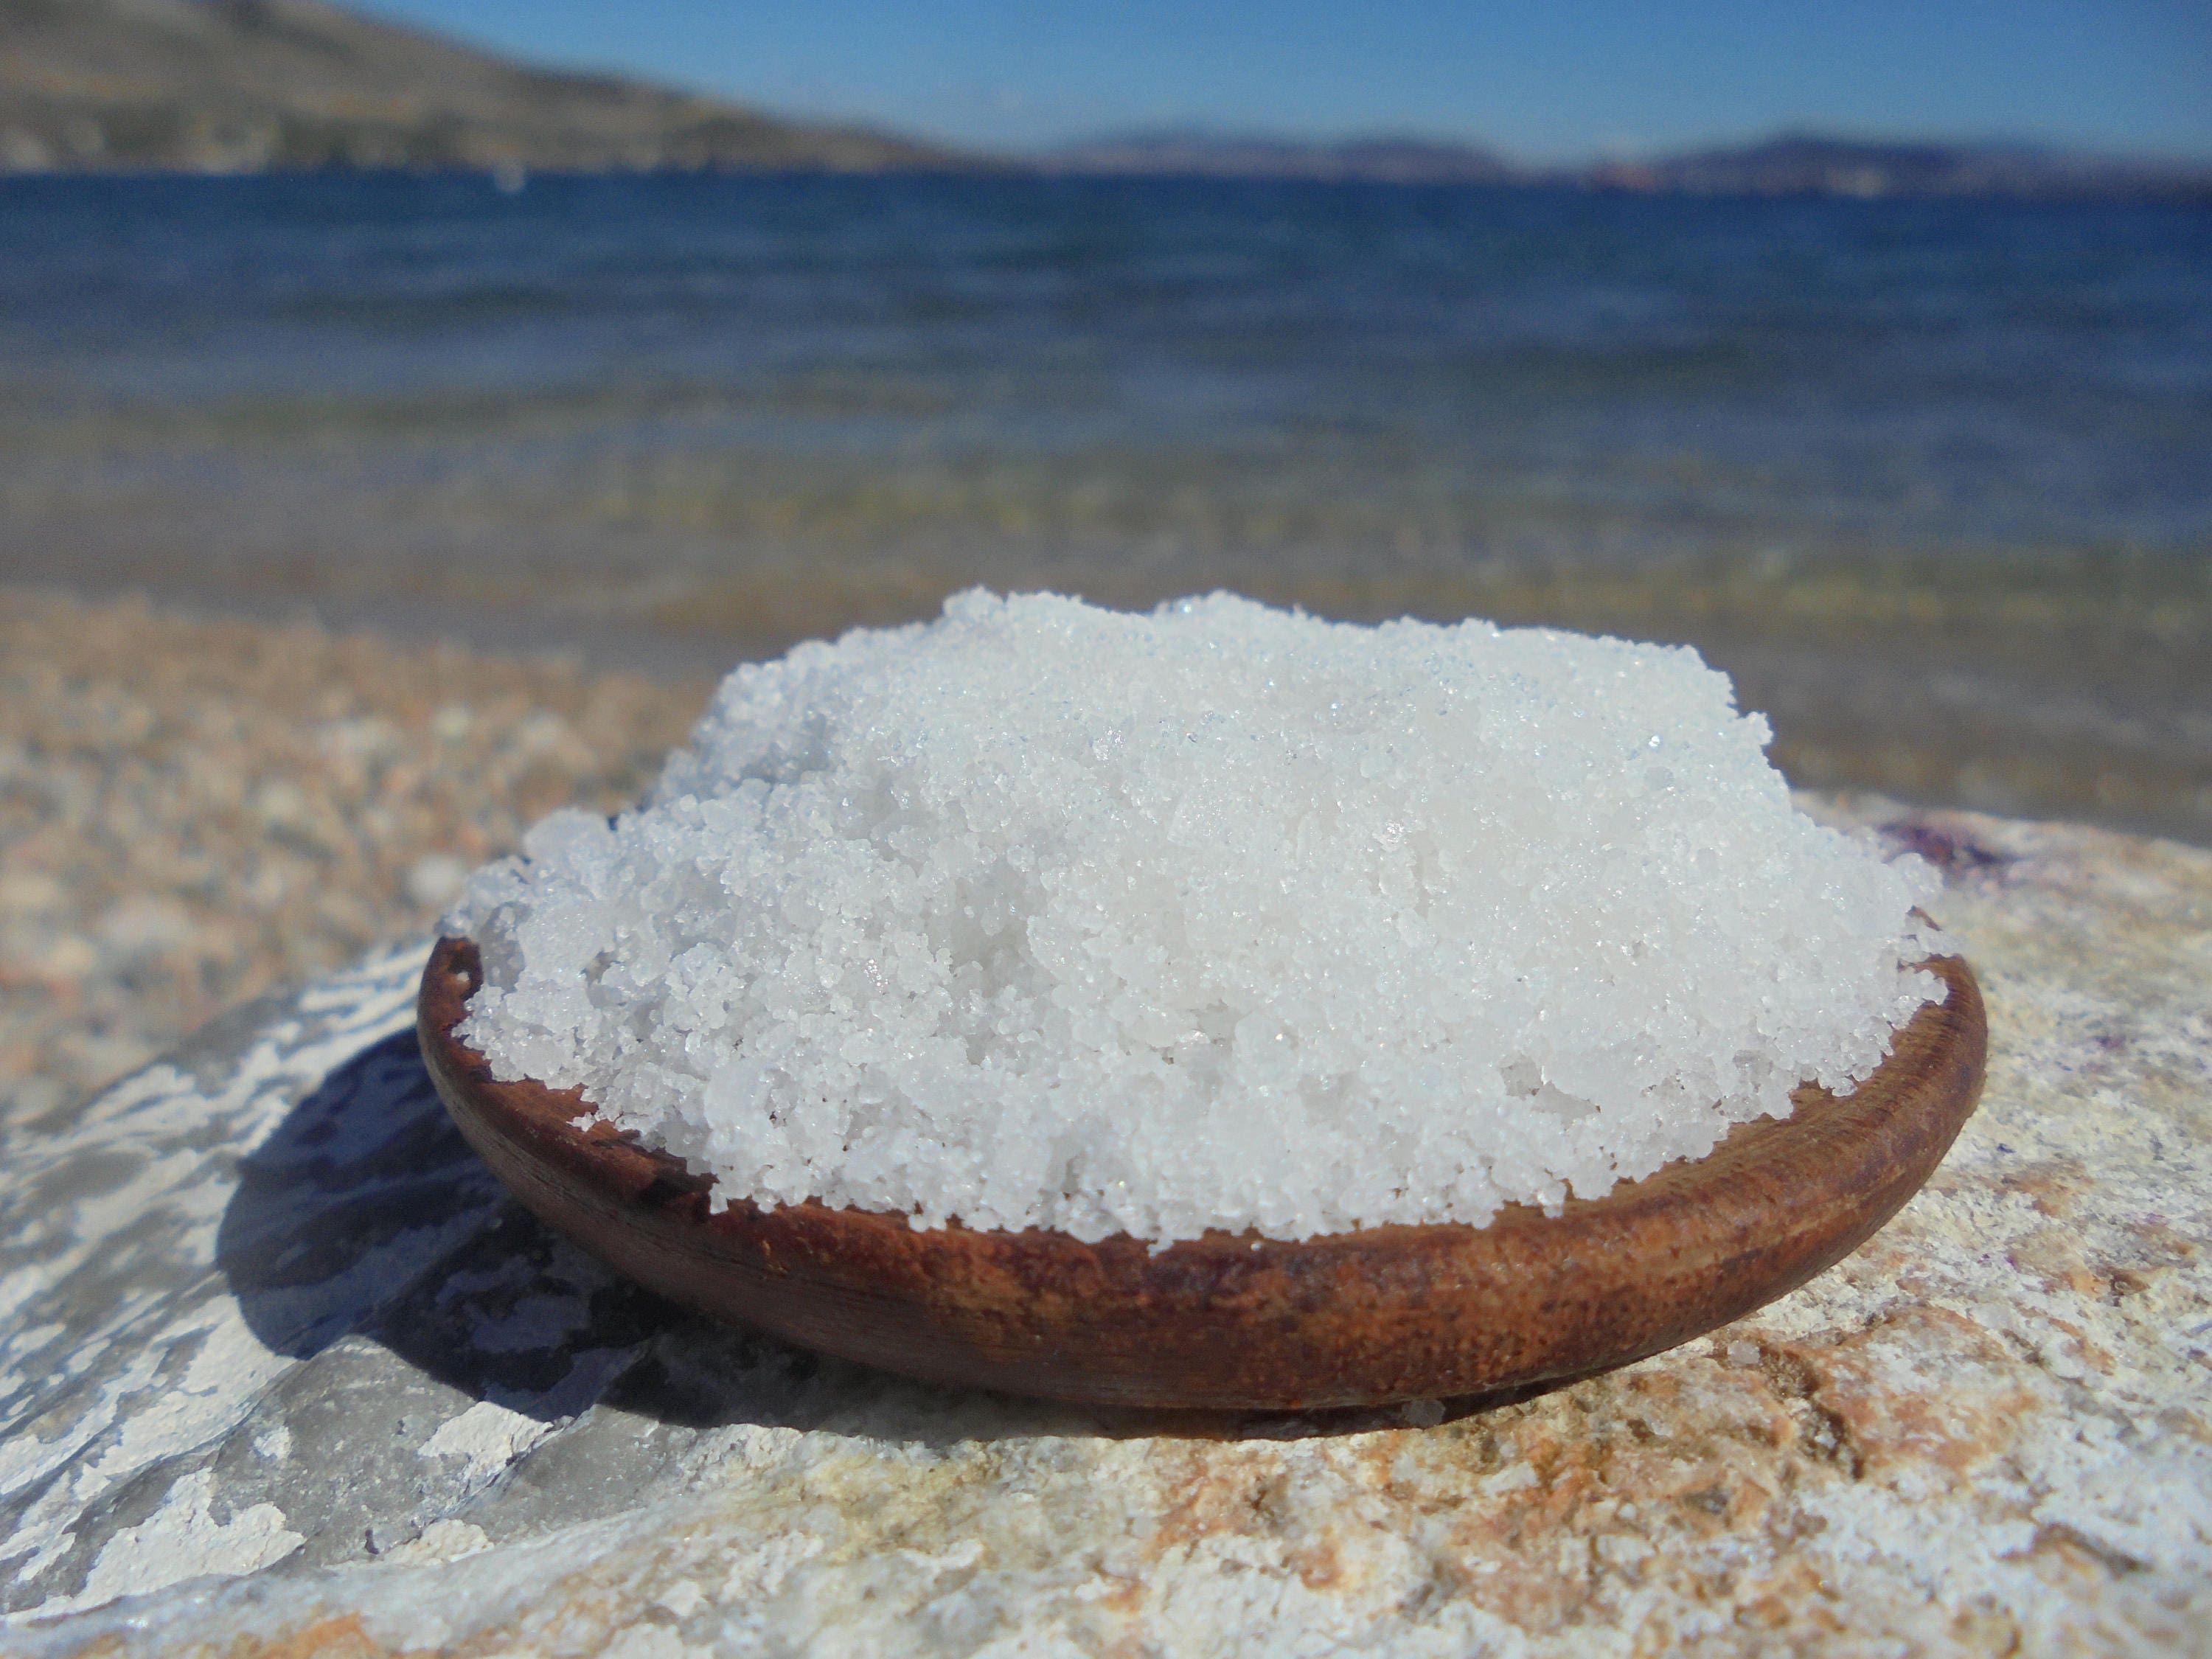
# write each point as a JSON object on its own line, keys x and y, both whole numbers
{"x": 1392, "y": 160}
{"x": 1808, "y": 165}
{"x": 247, "y": 85}
{"x": 1790, "y": 165}
{"x": 244, "y": 85}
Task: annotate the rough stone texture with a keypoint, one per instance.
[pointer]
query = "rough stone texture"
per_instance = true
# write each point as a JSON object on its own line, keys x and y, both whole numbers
{"x": 283, "y": 1372}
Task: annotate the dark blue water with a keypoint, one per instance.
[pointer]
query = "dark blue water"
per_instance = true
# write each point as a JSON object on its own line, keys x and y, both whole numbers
{"x": 732, "y": 410}
{"x": 1979, "y": 373}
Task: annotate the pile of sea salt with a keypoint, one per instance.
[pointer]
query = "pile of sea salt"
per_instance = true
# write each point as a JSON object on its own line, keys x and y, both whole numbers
{"x": 1221, "y": 917}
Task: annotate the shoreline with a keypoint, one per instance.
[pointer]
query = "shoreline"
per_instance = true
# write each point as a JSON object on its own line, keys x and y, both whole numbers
{"x": 2045, "y": 687}
{"x": 203, "y": 800}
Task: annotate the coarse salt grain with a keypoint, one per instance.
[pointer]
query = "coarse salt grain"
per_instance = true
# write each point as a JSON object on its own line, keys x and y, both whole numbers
{"x": 1226, "y": 917}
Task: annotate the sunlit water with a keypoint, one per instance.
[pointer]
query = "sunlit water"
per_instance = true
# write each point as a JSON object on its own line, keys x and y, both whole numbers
{"x": 1934, "y": 480}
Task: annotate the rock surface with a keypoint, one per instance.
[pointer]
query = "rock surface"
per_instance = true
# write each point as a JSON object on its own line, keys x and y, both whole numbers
{"x": 280, "y": 1370}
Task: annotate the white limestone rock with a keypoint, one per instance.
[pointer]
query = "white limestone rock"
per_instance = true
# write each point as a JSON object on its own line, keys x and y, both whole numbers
{"x": 262, "y": 1293}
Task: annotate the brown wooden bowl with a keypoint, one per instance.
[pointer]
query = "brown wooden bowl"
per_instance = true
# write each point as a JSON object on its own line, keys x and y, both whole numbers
{"x": 1363, "y": 1318}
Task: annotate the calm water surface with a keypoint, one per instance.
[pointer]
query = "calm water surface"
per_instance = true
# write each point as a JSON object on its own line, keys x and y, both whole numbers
{"x": 1934, "y": 480}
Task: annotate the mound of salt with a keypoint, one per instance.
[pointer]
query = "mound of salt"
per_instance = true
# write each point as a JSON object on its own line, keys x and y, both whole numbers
{"x": 1221, "y": 917}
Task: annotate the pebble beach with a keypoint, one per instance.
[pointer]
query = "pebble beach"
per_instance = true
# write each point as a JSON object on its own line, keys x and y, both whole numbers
{"x": 194, "y": 812}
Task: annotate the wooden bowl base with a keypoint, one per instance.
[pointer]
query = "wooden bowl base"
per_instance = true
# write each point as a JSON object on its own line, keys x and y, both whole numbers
{"x": 1365, "y": 1318}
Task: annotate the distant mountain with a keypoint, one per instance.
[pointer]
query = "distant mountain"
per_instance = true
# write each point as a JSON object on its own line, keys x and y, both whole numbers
{"x": 242, "y": 85}
{"x": 1807, "y": 165}
{"x": 1392, "y": 160}
{"x": 1790, "y": 165}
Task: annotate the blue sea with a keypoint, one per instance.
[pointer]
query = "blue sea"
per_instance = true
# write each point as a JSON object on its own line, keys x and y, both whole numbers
{"x": 1933, "y": 479}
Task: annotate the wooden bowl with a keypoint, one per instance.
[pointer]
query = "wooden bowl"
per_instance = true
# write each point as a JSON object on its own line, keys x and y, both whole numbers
{"x": 1363, "y": 1318}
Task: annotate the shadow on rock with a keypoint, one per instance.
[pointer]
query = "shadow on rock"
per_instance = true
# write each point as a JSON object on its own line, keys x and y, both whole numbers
{"x": 367, "y": 1239}
{"x": 366, "y": 1224}
{"x": 367, "y": 1215}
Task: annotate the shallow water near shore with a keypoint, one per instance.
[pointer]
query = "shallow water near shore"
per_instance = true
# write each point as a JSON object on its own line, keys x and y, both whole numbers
{"x": 1934, "y": 481}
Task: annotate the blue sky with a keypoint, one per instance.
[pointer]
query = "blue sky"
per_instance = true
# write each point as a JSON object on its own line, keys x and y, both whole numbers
{"x": 1560, "y": 80}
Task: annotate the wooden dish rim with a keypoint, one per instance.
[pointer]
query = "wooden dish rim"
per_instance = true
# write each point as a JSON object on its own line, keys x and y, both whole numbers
{"x": 1775, "y": 1202}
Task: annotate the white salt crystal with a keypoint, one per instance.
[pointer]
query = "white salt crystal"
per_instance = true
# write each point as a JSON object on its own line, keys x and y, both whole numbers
{"x": 1221, "y": 917}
